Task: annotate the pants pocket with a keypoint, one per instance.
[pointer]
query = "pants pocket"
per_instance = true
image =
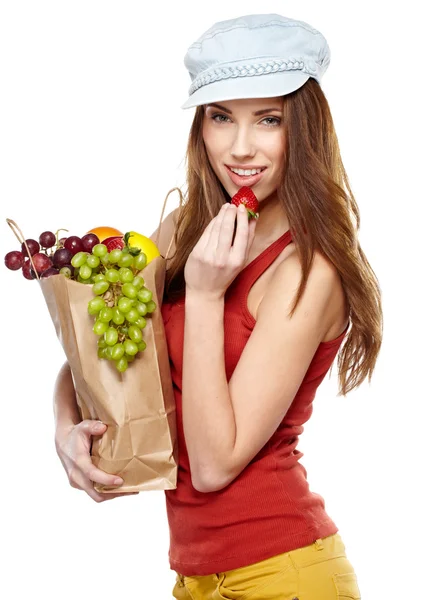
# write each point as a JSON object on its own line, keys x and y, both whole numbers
{"x": 271, "y": 579}
{"x": 346, "y": 586}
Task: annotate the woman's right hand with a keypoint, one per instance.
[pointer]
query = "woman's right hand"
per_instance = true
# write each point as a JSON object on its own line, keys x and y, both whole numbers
{"x": 73, "y": 446}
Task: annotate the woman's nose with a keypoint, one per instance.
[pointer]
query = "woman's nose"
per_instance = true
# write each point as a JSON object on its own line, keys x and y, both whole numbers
{"x": 242, "y": 143}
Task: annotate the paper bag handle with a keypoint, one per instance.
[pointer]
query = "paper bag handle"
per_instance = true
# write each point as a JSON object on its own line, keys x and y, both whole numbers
{"x": 161, "y": 218}
{"x": 20, "y": 237}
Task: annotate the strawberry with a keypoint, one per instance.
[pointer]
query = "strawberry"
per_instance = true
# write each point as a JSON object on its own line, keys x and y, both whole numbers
{"x": 113, "y": 242}
{"x": 246, "y": 196}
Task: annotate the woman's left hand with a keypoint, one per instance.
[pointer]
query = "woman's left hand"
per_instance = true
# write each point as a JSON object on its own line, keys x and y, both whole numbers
{"x": 214, "y": 263}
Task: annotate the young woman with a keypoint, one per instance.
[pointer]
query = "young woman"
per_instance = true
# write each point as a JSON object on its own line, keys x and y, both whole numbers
{"x": 254, "y": 320}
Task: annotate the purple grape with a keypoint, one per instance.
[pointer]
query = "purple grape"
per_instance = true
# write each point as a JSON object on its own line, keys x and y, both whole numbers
{"x": 62, "y": 257}
{"x": 47, "y": 239}
{"x": 33, "y": 247}
{"x": 89, "y": 241}
{"x": 73, "y": 244}
{"x": 28, "y": 272}
{"x": 49, "y": 272}
{"x": 41, "y": 262}
{"x": 14, "y": 260}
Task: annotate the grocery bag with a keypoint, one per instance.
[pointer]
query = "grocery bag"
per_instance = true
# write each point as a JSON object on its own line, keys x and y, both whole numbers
{"x": 138, "y": 406}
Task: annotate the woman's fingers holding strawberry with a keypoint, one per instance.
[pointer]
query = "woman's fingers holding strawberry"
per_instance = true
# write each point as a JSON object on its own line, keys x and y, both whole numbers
{"x": 244, "y": 236}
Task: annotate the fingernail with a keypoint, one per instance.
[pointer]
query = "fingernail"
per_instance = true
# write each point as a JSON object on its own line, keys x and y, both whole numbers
{"x": 241, "y": 208}
{"x": 118, "y": 481}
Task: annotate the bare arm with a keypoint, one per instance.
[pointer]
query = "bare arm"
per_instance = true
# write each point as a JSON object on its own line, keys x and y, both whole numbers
{"x": 65, "y": 409}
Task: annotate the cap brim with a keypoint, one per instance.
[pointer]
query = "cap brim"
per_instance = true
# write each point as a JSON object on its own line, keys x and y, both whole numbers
{"x": 256, "y": 86}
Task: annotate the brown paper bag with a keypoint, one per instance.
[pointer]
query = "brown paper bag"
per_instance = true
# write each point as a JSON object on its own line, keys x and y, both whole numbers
{"x": 138, "y": 406}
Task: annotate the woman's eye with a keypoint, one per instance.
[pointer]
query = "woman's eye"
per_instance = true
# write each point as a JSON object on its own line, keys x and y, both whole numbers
{"x": 215, "y": 116}
{"x": 275, "y": 120}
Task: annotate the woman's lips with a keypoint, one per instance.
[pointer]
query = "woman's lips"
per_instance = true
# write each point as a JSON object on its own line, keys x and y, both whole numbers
{"x": 240, "y": 180}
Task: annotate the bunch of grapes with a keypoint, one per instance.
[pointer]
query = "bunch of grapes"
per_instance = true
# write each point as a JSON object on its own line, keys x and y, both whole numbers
{"x": 50, "y": 255}
{"x": 121, "y": 301}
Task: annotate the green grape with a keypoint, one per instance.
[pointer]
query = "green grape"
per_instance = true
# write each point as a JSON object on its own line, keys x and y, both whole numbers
{"x": 126, "y": 275}
{"x": 144, "y": 295}
{"x": 125, "y": 330}
{"x": 101, "y": 353}
{"x": 111, "y": 336}
{"x": 125, "y": 304}
{"x": 99, "y": 327}
{"x": 104, "y": 259}
{"x": 141, "y": 322}
{"x": 130, "y": 358}
{"x": 100, "y": 287}
{"x": 117, "y": 351}
{"x": 138, "y": 282}
{"x": 100, "y": 277}
{"x": 85, "y": 272}
{"x": 106, "y": 314}
{"x": 130, "y": 347}
{"x": 117, "y": 317}
{"x": 125, "y": 250}
{"x": 108, "y": 350}
{"x": 95, "y": 305}
{"x": 112, "y": 275}
{"x": 126, "y": 260}
{"x": 129, "y": 290}
{"x": 151, "y": 306}
{"x": 141, "y": 308}
{"x": 122, "y": 364}
{"x": 115, "y": 255}
{"x": 140, "y": 261}
{"x": 141, "y": 346}
{"x": 81, "y": 280}
{"x": 79, "y": 259}
{"x": 99, "y": 250}
{"x": 93, "y": 261}
{"x": 135, "y": 333}
{"x": 132, "y": 315}
{"x": 66, "y": 272}
{"x": 101, "y": 343}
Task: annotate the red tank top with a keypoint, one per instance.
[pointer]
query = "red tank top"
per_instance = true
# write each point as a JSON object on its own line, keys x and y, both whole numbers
{"x": 268, "y": 508}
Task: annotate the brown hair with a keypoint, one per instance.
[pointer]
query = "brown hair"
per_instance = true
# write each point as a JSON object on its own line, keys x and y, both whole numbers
{"x": 315, "y": 194}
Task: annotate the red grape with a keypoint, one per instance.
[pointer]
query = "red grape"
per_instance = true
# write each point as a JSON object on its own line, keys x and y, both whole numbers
{"x": 73, "y": 244}
{"x": 14, "y": 260}
{"x": 27, "y": 267}
{"x": 89, "y": 241}
{"x": 62, "y": 257}
{"x": 62, "y": 242}
{"x": 33, "y": 247}
{"x": 47, "y": 239}
{"x": 41, "y": 262}
{"x": 49, "y": 272}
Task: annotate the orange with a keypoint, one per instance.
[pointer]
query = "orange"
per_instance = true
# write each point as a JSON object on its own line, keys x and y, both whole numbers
{"x": 104, "y": 232}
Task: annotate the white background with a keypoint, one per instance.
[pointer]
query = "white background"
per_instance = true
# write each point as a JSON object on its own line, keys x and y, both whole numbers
{"x": 92, "y": 133}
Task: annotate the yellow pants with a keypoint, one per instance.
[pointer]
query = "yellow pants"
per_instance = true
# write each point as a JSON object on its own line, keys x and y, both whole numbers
{"x": 320, "y": 571}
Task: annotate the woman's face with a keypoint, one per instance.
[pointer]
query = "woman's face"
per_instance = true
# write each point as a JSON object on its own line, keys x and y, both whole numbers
{"x": 237, "y": 135}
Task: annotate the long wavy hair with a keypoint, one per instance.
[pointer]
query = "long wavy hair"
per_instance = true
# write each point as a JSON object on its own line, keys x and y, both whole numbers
{"x": 322, "y": 213}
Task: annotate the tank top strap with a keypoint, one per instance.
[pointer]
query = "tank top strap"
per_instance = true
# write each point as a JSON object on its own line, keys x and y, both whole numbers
{"x": 251, "y": 272}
